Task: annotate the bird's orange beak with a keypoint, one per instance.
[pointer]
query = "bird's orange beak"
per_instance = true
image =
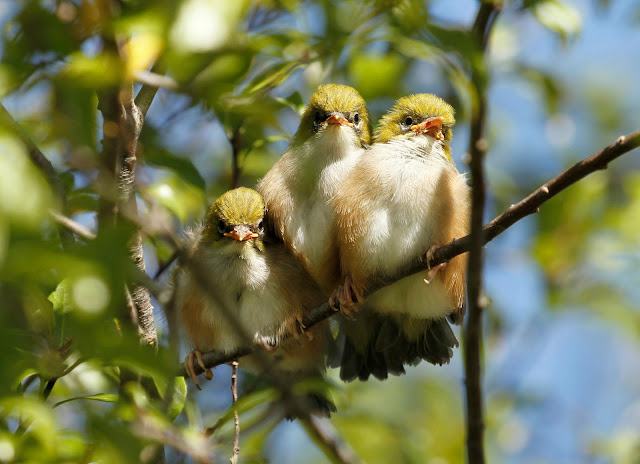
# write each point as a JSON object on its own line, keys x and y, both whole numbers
{"x": 337, "y": 118}
{"x": 241, "y": 233}
{"x": 431, "y": 127}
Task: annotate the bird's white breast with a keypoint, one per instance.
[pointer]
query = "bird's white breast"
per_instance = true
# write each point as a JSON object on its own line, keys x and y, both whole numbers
{"x": 400, "y": 222}
{"x": 245, "y": 288}
{"x": 323, "y": 161}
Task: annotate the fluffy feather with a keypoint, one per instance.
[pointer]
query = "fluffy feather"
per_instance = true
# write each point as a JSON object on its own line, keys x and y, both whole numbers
{"x": 257, "y": 280}
{"x": 299, "y": 186}
{"x": 402, "y": 198}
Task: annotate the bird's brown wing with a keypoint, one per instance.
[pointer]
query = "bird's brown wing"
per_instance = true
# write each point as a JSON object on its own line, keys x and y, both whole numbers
{"x": 452, "y": 215}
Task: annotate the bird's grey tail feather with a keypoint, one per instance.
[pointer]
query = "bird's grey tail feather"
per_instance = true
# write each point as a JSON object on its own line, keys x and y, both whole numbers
{"x": 389, "y": 350}
{"x": 317, "y": 404}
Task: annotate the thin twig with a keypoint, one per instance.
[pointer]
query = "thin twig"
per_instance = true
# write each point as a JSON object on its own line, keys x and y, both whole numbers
{"x": 235, "y": 139}
{"x": 165, "y": 265}
{"x": 477, "y": 150}
{"x": 148, "y": 427}
{"x": 513, "y": 214}
{"x": 236, "y": 418}
{"x": 329, "y": 441}
{"x": 72, "y": 225}
{"x": 152, "y": 79}
{"x": 148, "y": 91}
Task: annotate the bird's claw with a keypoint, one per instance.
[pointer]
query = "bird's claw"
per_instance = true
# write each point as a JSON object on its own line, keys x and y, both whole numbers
{"x": 299, "y": 328}
{"x": 346, "y": 298}
{"x": 191, "y": 370}
{"x": 267, "y": 343}
{"x": 432, "y": 272}
{"x": 428, "y": 255}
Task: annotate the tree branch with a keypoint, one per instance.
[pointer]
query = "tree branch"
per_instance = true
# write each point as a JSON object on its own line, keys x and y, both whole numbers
{"x": 152, "y": 81}
{"x": 123, "y": 122}
{"x": 71, "y": 225}
{"x": 513, "y": 214}
{"x": 335, "y": 449}
{"x": 236, "y": 420}
{"x": 472, "y": 339}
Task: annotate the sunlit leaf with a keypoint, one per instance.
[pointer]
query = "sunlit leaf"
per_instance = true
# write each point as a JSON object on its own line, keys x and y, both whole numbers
{"x": 377, "y": 75}
{"x": 92, "y": 72}
{"x": 61, "y": 297}
{"x": 182, "y": 199}
{"x": 559, "y": 17}
{"x": 17, "y": 176}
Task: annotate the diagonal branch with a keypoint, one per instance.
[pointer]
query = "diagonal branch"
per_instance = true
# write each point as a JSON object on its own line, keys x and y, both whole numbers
{"x": 513, "y": 214}
{"x": 152, "y": 81}
{"x": 330, "y": 442}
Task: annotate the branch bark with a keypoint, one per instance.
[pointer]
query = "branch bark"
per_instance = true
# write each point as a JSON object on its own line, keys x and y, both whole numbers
{"x": 123, "y": 122}
{"x": 513, "y": 214}
{"x": 236, "y": 420}
{"x": 335, "y": 449}
{"x": 472, "y": 339}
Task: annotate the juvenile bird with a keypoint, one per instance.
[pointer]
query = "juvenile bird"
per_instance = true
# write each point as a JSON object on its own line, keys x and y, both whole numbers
{"x": 403, "y": 200}
{"x": 257, "y": 282}
{"x": 332, "y": 135}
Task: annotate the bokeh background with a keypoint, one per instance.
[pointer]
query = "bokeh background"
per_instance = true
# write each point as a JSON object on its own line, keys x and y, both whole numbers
{"x": 561, "y": 344}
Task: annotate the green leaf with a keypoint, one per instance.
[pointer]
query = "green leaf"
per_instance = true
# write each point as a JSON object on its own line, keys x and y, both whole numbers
{"x": 181, "y": 166}
{"x": 558, "y": 17}
{"x": 273, "y": 76}
{"x": 92, "y": 72}
{"x": 377, "y": 75}
{"x": 181, "y": 198}
{"x": 293, "y": 101}
{"x": 103, "y": 397}
{"x": 178, "y": 396}
{"x": 61, "y": 297}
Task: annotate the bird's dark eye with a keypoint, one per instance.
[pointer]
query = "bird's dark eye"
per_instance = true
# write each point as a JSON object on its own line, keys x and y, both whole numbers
{"x": 260, "y": 225}
{"x": 408, "y": 121}
{"x": 319, "y": 117}
{"x": 222, "y": 227}
{"x": 356, "y": 118}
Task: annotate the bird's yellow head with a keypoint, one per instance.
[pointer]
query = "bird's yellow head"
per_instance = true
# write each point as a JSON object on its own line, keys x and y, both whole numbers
{"x": 421, "y": 113}
{"x": 335, "y": 105}
{"x": 237, "y": 215}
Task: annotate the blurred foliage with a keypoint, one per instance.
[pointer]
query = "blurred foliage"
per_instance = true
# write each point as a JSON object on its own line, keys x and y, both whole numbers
{"x": 70, "y": 389}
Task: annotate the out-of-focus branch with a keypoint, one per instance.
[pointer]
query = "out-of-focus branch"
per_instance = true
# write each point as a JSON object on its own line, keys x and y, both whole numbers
{"x": 236, "y": 418}
{"x": 478, "y": 145}
{"x": 148, "y": 427}
{"x": 235, "y": 138}
{"x": 71, "y": 225}
{"x": 44, "y": 165}
{"x": 152, "y": 81}
{"x": 123, "y": 122}
{"x": 335, "y": 449}
{"x": 516, "y": 212}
